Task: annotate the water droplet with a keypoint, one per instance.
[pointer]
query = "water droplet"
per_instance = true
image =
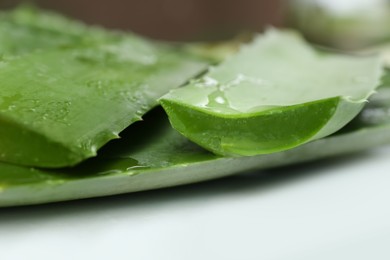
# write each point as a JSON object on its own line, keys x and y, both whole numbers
{"x": 240, "y": 78}
{"x": 9, "y": 101}
{"x": 139, "y": 113}
{"x": 217, "y": 101}
{"x": 220, "y": 100}
{"x": 136, "y": 167}
{"x": 134, "y": 170}
{"x": 133, "y": 99}
{"x": 206, "y": 82}
{"x": 100, "y": 86}
{"x": 56, "y": 111}
{"x": 109, "y": 172}
{"x": 11, "y": 107}
{"x": 144, "y": 107}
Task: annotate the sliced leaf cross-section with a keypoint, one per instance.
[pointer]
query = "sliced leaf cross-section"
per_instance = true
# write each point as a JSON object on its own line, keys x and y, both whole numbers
{"x": 275, "y": 94}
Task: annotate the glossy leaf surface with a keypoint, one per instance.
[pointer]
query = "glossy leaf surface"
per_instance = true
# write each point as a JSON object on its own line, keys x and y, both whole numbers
{"x": 26, "y": 29}
{"x": 275, "y": 94}
{"x": 59, "y": 105}
{"x": 165, "y": 159}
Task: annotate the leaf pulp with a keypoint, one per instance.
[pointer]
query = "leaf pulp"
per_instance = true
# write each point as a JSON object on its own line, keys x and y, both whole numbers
{"x": 166, "y": 159}
{"x": 273, "y": 95}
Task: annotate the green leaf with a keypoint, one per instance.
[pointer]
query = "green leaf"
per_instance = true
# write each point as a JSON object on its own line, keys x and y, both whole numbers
{"x": 59, "y": 105}
{"x": 275, "y": 94}
{"x": 151, "y": 154}
{"x": 166, "y": 159}
{"x": 26, "y": 29}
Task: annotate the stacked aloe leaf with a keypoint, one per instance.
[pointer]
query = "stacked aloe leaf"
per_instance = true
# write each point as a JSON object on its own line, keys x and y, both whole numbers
{"x": 67, "y": 90}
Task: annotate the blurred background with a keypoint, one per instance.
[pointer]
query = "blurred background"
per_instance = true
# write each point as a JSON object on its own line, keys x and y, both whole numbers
{"x": 346, "y": 24}
{"x": 174, "y": 20}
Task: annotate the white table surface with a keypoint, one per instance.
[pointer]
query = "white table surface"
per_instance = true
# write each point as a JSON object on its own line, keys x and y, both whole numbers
{"x": 333, "y": 209}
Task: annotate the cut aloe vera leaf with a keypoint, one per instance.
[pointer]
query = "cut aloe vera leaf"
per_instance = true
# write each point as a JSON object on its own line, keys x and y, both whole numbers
{"x": 59, "y": 106}
{"x": 275, "y": 94}
{"x": 165, "y": 159}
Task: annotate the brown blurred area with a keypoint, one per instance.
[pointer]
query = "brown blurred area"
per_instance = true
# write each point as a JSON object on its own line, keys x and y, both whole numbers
{"x": 175, "y": 20}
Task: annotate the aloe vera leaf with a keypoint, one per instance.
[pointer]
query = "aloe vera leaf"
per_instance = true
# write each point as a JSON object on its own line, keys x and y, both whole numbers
{"x": 275, "y": 94}
{"x": 26, "y": 29}
{"x": 182, "y": 165}
{"x": 59, "y": 106}
{"x": 165, "y": 159}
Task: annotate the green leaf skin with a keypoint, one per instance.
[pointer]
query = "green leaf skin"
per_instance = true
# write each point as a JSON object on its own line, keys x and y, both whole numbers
{"x": 26, "y": 29}
{"x": 67, "y": 89}
{"x": 165, "y": 159}
{"x": 275, "y": 94}
{"x": 58, "y": 107}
